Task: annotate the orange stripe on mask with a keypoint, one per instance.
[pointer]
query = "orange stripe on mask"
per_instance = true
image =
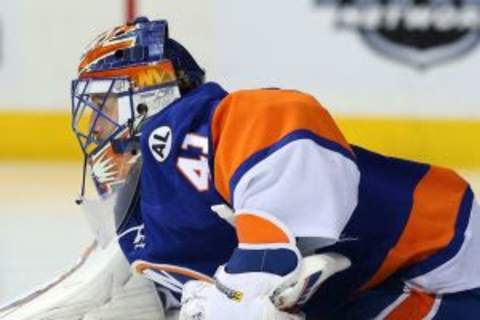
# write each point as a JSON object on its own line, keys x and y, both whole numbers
{"x": 102, "y": 51}
{"x": 431, "y": 224}
{"x": 141, "y": 76}
{"x": 416, "y": 307}
{"x": 249, "y": 121}
{"x": 252, "y": 229}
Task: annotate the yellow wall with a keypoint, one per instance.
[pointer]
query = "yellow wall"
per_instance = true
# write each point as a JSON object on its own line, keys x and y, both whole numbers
{"x": 456, "y": 143}
{"x": 37, "y": 136}
{"x": 453, "y": 142}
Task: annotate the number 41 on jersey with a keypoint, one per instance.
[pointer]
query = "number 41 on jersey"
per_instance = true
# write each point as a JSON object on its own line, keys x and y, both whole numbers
{"x": 196, "y": 170}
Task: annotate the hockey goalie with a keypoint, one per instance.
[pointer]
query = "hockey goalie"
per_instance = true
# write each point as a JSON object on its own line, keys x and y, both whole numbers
{"x": 251, "y": 205}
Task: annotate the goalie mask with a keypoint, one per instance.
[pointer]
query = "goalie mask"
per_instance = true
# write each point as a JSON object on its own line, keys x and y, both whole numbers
{"x": 125, "y": 76}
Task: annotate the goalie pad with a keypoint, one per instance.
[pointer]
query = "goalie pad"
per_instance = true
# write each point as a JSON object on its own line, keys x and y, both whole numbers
{"x": 99, "y": 286}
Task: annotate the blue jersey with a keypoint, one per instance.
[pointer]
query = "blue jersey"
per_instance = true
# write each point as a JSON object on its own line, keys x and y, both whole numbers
{"x": 277, "y": 159}
{"x": 173, "y": 223}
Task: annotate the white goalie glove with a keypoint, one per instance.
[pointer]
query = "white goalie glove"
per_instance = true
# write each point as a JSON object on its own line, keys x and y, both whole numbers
{"x": 257, "y": 295}
{"x": 233, "y": 297}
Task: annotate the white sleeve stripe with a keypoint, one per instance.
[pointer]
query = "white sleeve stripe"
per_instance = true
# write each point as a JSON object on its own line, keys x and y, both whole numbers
{"x": 310, "y": 189}
{"x": 294, "y": 136}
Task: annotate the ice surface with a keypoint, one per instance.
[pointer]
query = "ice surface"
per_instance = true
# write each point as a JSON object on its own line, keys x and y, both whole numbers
{"x": 42, "y": 231}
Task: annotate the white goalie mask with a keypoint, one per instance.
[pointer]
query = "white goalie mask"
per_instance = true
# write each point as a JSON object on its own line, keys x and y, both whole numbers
{"x": 108, "y": 114}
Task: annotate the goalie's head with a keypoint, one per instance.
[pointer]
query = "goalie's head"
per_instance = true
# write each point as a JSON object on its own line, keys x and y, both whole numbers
{"x": 125, "y": 76}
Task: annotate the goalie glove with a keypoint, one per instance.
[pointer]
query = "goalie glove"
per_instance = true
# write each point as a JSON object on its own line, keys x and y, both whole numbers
{"x": 258, "y": 295}
{"x": 264, "y": 277}
{"x": 233, "y": 297}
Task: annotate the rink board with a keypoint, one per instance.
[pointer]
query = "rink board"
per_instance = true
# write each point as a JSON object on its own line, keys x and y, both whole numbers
{"x": 450, "y": 142}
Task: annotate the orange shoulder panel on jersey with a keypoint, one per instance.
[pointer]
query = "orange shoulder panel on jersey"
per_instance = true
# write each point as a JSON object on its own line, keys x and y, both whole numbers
{"x": 431, "y": 224}
{"x": 249, "y": 121}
